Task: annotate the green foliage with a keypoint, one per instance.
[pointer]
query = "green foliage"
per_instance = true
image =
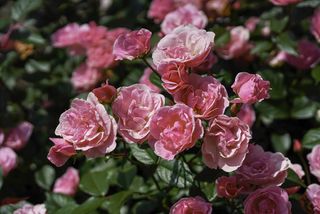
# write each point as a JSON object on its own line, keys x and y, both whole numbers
{"x": 45, "y": 177}
{"x": 311, "y": 138}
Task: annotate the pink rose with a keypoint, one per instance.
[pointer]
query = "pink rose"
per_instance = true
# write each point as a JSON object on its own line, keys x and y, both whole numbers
{"x": 284, "y": 2}
{"x": 174, "y": 77}
{"x": 268, "y": 200}
{"x": 205, "y": 95}
{"x": 297, "y": 168}
{"x": 313, "y": 194}
{"x": 191, "y": 205}
{"x": 250, "y": 88}
{"x": 207, "y": 64}
{"x": 100, "y": 56}
{"x": 85, "y": 78}
{"x": 8, "y": 160}
{"x": 309, "y": 56}
{"x": 132, "y": 45}
{"x": 225, "y": 143}
{"x": 227, "y": 187}
{"x": 60, "y": 152}
{"x": 2, "y": 136}
{"x": 187, "y": 14}
{"x": 262, "y": 169}
{"x": 134, "y": 106}
{"x": 278, "y": 59}
{"x": 247, "y": 114}
{"x": 181, "y": 3}
{"x": 18, "y": 137}
{"x": 237, "y": 46}
{"x": 145, "y": 79}
{"x": 68, "y": 183}
{"x": 170, "y": 123}
{"x": 314, "y": 161}
{"x": 106, "y": 93}
{"x": 88, "y": 127}
{"x": 185, "y": 44}
{"x": 160, "y": 8}
{"x": 315, "y": 24}
{"x": 252, "y": 23}
{"x": 31, "y": 209}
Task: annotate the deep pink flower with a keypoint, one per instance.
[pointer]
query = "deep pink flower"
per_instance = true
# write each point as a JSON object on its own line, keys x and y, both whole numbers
{"x": 207, "y": 64}
{"x": 145, "y": 79}
{"x": 191, "y": 205}
{"x": 315, "y": 24}
{"x": 8, "y": 160}
{"x": 68, "y": 183}
{"x": 314, "y": 161}
{"x": 185, "y": 44}
{"x": 205, "y": 95}
{"x": 31, "y": 209}
{"x": 174, "y": 77}
{"x": 247, "y": 114}
{"x": 106, "y": 93}
{"x": 85, "y": 78}
{"x": 268, "y": 200}
{"x": 181, "y": 3}
{"x": 2, "y": 136}
{"x": 170, "y": 123}
{"x": 284, "y": 2}
{"x": 160, "y": 8}
{"x": 250, "y": 88}
{"x": 237, "y": 46}
{"x": 227, "y": 187}
{"x": 225, "y": 143}
{"x": 308, "y": 56}
{"x": 132, "y": 45}
{"x": 18, "y": 137}
{"x": 60, "y": 152}
{"x": 313, "y": 194}
{"x": 134, "y": 106}
{"x": 88, "y": 127}
{"x": 187, "y": 14}
{"x": 262, "y": 169}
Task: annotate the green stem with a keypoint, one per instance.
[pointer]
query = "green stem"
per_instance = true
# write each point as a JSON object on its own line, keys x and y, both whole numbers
{"x": 305, "y": 167}
{"x": 148, "y": 64}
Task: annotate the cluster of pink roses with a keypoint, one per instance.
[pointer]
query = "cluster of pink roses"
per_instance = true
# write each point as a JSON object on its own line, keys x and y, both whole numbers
{"x": 14, "y": 140}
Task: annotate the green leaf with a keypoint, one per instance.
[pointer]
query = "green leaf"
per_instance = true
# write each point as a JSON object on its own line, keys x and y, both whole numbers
{"x": 261, "y": 47}
{"x": 303, "y": 108}
{"x": 145, "y": 156}
{"x": 21, "y": 8}
{"x": 208, "y": 188}
{"x": 293, "y": 177}
{"x": 155, "y": 79}
{"x": 175, "y": 173}
{"x": 33, "y": 66}
{"x": 9, "y": 209}
{"x": 309, "y": 3}
{"x": 278, "y": 88}
{"x": 55, "y": 202}
{"x": 269, "y": 112}
{"x": 277, "y": 25}
{"x": 126, "y": 175}
{"x": 95, "y": 182}
{"x": 311, "y": 138}
{"x": 45, "y": 177}
{"x": 281, "y": 143}
{"x": 223, "y": 39}
{"x": 66, "y": 209}
{"x": 116, "y": 201}
{"x": 92, "y": 204}
{"x": 286, "y": 43}
{"x": 145, "y": 207}
{"x": 315, "y": 73}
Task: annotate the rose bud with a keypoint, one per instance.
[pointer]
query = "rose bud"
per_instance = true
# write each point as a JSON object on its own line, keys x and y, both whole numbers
{"x": 228, "y": 187}
{"x": 191, "y": 205}
{"x": 106, "y": 93}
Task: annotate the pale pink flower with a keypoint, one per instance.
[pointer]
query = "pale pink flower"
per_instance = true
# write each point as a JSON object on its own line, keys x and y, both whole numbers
{"x": 8, "y": 160}
{"x": 185, "y": 44}
{"x": 132, "y": 45}
{"x": 205, "y": 95}
{"x": 262, "y": 169}
{"x": 160, "y": 8}
{"x": 68, "y": 183}
{"x": 145, "y": 79}
{"x": 268, "y": 200}
{"x": 31, "y": 209}
{"x": 88, "y": 127}
{"x": 313, "y": 194}
{"x": 191, "y": 205}
{"x": 100, "y": 56}
{"x": 134, "y": 106}
{"x": 297, "y": 168}
{"x": 315, "y": 24}
{"x": 284, "y": 2}
{"x": 252, "y": 23}
{"x": 247, "y": 114}
{"x": 170, "y": 123}
{"x": 174, "y": 77}
{"x": 18, "y": 137}
{"x": 278, "y": 59}
{"x": 185, "y": 15}
{"x": 207, "y": 64}
{"x": 226, "y": 143}
{"x": 228, "y": 187}
{"x": 308, "y": 56}
{"x": 85, "y": 78}
{"x": 250, "y": 88}
{"x": 237, "y": 46}
{"x": 106, "y": 93}
{"x": 314, "y": 161}
{"x": 60, "y": 152}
